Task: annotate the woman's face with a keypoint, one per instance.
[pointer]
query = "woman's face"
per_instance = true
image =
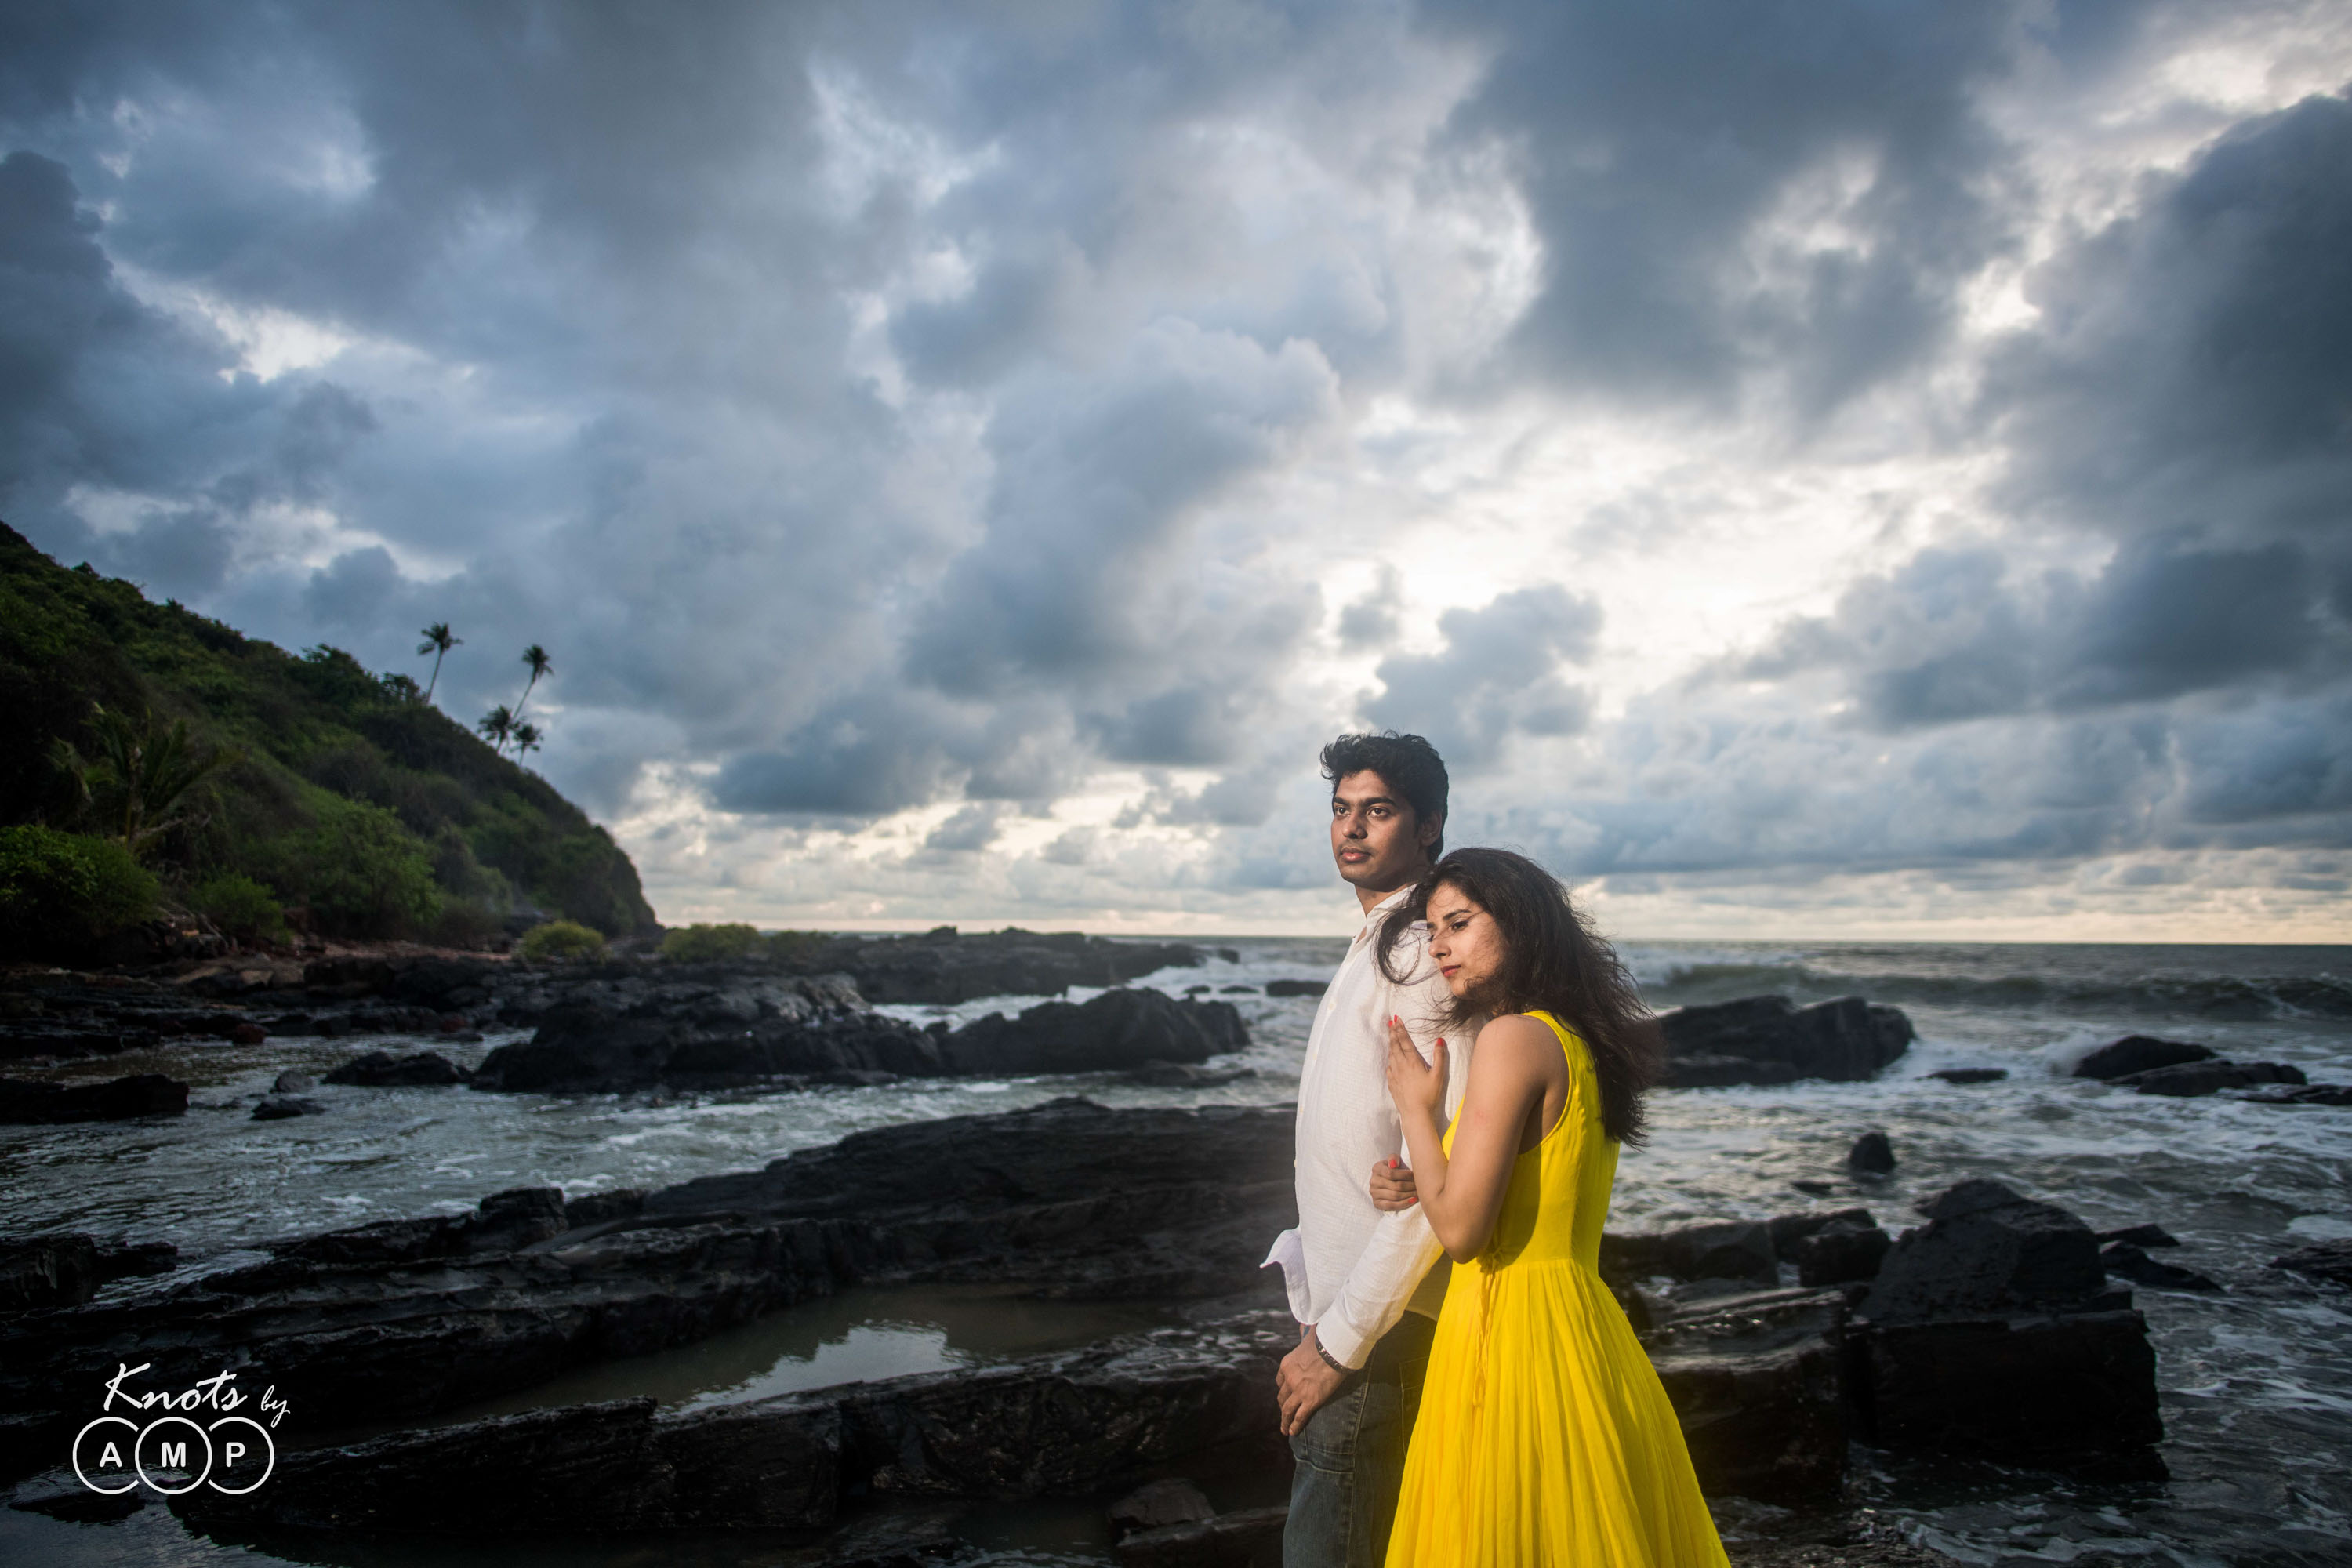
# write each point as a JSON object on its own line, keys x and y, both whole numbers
{"x": 1462, "y": 940}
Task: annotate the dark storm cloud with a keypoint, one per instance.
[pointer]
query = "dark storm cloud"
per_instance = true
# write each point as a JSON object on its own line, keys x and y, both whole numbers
{"x": 1948, "y": 636}
{"x": 1498, "y": 675}
{"x": 94, "y": 386}
{"x": 2192, "y": 371}
{"x": 1675, "y": 156}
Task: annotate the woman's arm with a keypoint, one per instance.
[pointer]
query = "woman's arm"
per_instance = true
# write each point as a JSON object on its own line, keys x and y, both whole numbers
{"x": 1462, "y": 1194}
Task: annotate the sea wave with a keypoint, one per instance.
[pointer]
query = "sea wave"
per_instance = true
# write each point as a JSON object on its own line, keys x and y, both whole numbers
{"x": 2216, "y": 996}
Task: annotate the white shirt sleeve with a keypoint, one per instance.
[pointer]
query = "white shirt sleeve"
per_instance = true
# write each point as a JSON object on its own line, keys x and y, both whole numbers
{"x": 1402, "y": 1251}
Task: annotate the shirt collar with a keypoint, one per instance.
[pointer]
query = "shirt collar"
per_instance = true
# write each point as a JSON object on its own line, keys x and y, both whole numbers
{"x": 1374, "y": 915}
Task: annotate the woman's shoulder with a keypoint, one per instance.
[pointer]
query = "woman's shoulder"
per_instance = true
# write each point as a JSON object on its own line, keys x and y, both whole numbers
{"x": 1540, "y": 1037}
{"x": 1524, "y": 1038}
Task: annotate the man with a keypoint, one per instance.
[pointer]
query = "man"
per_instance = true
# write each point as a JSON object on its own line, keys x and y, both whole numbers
{"x": 1364, "y": 1286}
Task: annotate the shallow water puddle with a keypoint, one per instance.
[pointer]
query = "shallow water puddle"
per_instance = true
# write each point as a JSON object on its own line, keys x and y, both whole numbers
{"x": 858, "y": 1335}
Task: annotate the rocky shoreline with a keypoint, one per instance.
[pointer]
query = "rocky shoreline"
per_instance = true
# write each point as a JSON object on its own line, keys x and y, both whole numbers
{"x": 1991, "y": 1330}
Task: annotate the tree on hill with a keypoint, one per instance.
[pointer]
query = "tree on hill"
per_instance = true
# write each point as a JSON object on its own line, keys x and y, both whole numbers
{"x": 497, "y": 727}
{"x": 437, "y": 642}
{"x": 526, "y": 738}
{"x": 138, "y": 786}
{"x": 535, "y": 657}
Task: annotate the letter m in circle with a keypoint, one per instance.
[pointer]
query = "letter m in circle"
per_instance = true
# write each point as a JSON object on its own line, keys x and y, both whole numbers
{"x": 173, "y": 1455}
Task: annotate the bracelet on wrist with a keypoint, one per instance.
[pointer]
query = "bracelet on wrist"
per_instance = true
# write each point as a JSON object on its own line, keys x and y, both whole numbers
{"x": 1328, "y": 1359}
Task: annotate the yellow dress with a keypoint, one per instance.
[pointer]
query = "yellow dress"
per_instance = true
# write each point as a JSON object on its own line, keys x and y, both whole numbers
{"x": 1544, "y": 1436}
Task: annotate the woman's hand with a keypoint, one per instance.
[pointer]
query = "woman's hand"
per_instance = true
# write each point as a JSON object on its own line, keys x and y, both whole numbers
{"x": 1414, "y": 1084}
{"x": 1392, "y": 1187}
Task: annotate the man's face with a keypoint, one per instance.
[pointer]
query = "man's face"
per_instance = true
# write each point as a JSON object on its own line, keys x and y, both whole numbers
{"x": 1379, "y": 842}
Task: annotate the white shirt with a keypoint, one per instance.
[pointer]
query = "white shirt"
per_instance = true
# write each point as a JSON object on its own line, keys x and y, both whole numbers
{"x": 1352, "y": 1271}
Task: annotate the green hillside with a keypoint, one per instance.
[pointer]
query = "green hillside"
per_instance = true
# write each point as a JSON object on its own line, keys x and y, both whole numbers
{"x": 355, "y": 806}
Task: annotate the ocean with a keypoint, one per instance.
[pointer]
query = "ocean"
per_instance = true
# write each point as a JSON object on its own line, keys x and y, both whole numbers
{"x": 2256, "y": 1380}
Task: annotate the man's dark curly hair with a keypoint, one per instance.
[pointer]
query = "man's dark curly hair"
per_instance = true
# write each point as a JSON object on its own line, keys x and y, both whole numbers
{"x": 1407, "y": 764}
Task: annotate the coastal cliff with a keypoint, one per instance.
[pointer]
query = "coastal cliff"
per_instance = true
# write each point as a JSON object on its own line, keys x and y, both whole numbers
{"x": 332, "y": 800}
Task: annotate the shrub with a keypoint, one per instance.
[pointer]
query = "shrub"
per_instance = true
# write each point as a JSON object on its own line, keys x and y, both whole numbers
{"x": 790, "y": 946}
{"x": 709, "y": 944}
{"x": 563, "y": 939}
{"x": 60, "y": 889}
{"x": 361, "y": 873}
{"x": 240, "y": 907}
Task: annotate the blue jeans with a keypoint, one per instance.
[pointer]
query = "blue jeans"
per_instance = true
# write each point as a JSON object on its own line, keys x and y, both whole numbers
{"x": 1351, "y": 1457}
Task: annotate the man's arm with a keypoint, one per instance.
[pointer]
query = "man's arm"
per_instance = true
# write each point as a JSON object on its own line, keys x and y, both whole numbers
{"x": 1401, "y": 1252}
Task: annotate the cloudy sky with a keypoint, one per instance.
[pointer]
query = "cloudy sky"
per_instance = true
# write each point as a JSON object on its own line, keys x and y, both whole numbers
{"x": 1822, "y": 468}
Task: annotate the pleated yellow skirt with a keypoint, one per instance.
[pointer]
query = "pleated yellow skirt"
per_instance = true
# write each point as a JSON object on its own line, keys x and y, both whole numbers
{"x": 1544, "y": 1436}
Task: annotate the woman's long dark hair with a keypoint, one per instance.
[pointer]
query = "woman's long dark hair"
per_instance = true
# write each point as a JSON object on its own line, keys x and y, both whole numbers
{"x": 1553, "y": 960}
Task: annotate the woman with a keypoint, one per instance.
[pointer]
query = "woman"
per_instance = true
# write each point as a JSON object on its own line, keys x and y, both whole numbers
{"x": 1544, "y": 1436}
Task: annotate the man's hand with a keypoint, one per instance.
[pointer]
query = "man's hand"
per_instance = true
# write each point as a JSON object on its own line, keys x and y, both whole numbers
{"x": 1392, "y": 1187}
{"x": 1305, "y": 1383}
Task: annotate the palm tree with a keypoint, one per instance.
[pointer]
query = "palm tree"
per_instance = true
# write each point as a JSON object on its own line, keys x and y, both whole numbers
{"x": 535, "y": 657}
{"x": 141, "y": 774}
{"x": 437, "y": 642}
{"x": 497, "y": 727}
{"x": 526, "y": 736}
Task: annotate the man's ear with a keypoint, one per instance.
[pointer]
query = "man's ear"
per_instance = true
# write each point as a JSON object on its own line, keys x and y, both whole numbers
{"x": 1430, "y": 830}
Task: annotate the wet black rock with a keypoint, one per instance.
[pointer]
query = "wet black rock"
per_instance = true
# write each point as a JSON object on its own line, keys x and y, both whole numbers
{"x": 67, "y": 1269}
{"x": 1987, "y": 1249}
{"x": 1297, "y": 988}
{"x": 729, "y": 1040}
{"x": 286, "y": 1107}
{"x": 2139, "y": 1053}
{"x": 1758, "y": 1383}
{"x": 47, "y": 1271}
{"x": 2191, "y": 1080}
{"x": 1989, "y": 1331}
{"x": 382, "y": 1070}
{"x": 1872, "y": 1155}
{"x": 944, "y": 967}
{"x": 1157, "y": 1504}
{"x": 2303, "y": 1094}
{"x": 1187, "y": 1075}
{"x": 2329, "y": 1260}
{"x": 1788, "y": 1229}
{"x": 1842, "y": 1252}
{"x": 599, "y": 1208}
{"x": 2126, "y": 1261}
{"x": 292, "y": 1082}
{"x": 1964, "y": 1075}
{"x": 1246, "y": 1538}
{"x": 1068, "y": 1425}
{"x": 2141, "y": 1235}
{"x": 2019, "y": 1389}
{"x": 1770, "y": 1039}
{"x": 503, "y": 1222}
{"x": 23, "y": 1100}
{"x": 593, "y": 1468}
{"x": 1237, "y": 991}
{"x": 1729, "y": 1250}
{"x": 1117, "y": 1030}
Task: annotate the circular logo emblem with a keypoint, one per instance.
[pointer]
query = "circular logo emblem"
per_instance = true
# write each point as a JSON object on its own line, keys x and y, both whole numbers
{"x": 237, "y": 1450}
{"x": 171, "y": 1443}
{"x": 109, "y": 1456}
